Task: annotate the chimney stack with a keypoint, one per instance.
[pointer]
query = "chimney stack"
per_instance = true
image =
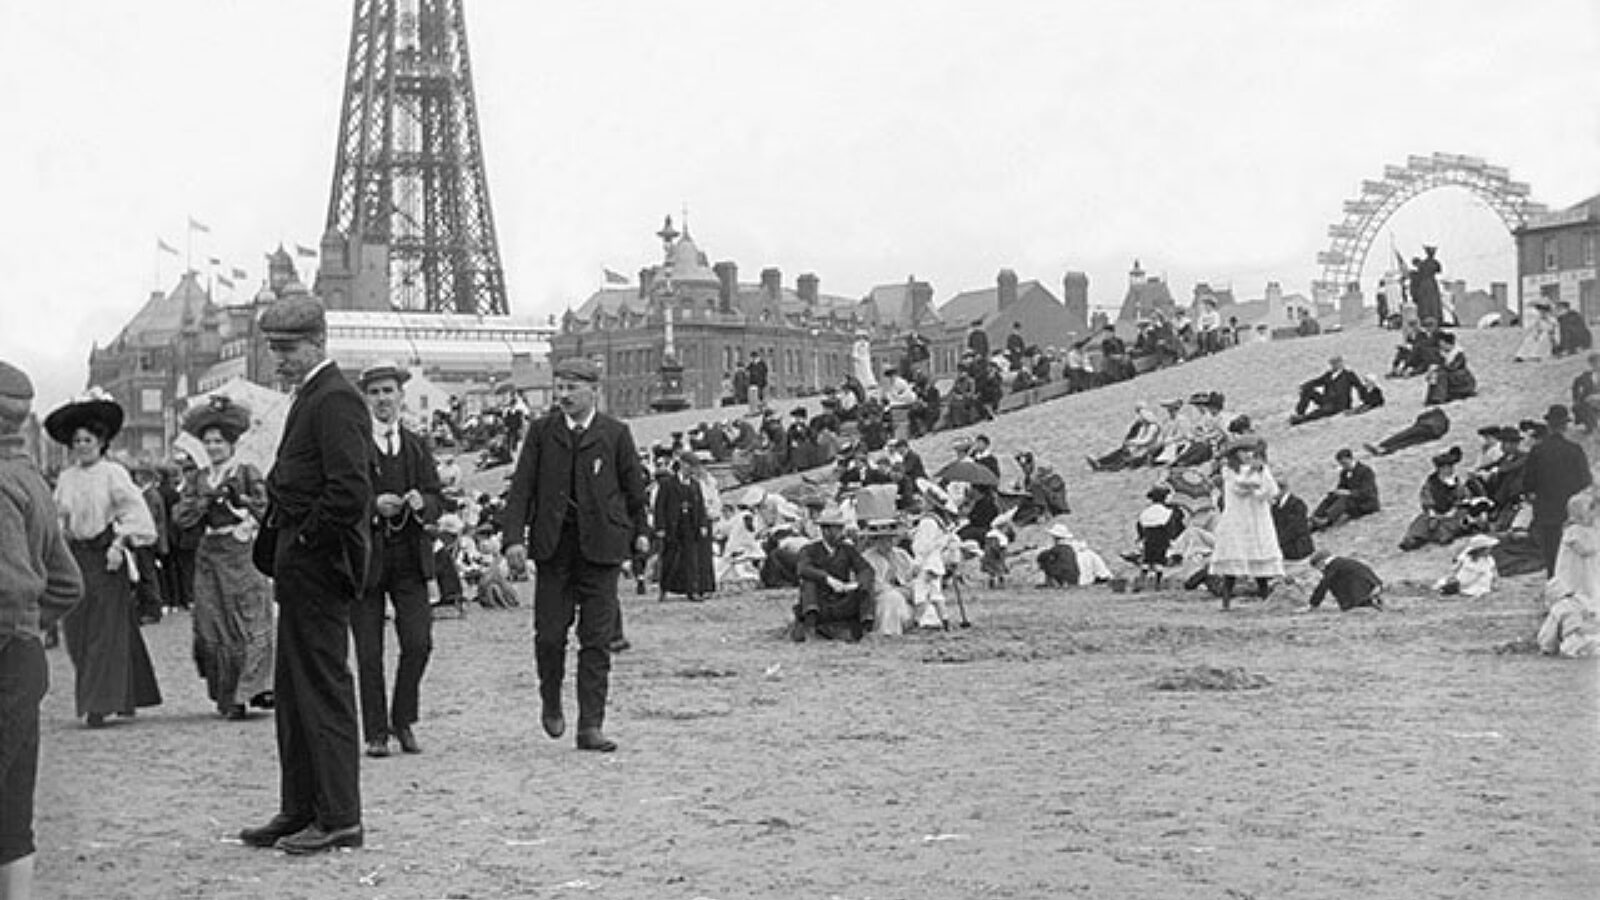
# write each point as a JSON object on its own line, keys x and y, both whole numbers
{"x": 1497, "y": 290}
{"x": 727, "y": 284}
{"x": 772, "y": 283}
{"x": 921, "y": 302}
{"x": 1007, "y": 282}
{"x": 807, "y": 286}
{"x": 1075, "y": 297}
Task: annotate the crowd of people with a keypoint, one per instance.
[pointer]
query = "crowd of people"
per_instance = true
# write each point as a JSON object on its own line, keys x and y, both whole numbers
{"x": 359, "y": 516}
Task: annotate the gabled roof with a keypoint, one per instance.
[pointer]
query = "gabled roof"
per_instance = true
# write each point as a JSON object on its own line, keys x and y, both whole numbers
{"x": 1145, "y": 296}
{"x": 985, "y": 304}
{"x": 163, "y": 316}
{"x": 611, "y": 302}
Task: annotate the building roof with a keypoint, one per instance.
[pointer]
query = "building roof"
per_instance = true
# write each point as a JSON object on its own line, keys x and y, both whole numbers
{"x": 1145, "y": 296}
{"x": 894, "y": 308}
{"x": 610, "y": 302}
{"x": 985, "y": 303}
{"x": 164, "y": 315}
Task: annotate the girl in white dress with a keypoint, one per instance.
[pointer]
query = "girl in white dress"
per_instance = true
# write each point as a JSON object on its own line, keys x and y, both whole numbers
{"x": 1246, "y": 541}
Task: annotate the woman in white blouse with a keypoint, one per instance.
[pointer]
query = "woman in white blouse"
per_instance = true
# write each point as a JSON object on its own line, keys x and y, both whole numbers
{"x": 104, "y": 516}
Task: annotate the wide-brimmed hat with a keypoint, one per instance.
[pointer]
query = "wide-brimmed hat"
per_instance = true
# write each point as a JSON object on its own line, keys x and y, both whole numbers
{"x": 450, "y": 523}
{"x": 1448, "y": 458}
{"x": 96, "y": 409}
{"x": 1060, "y": 531}
{"x": 1481, "y": 542}
{"x": 381, "y": 370}
{"x": 221, "y": 413}
{"x": 752, "y": 496}
{"x": 1243, "y": 442}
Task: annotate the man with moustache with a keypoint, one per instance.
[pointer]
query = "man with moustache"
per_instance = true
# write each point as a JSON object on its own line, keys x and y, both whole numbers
{"x": 576, "y": 506}
{"x": 408, "y": 499}
{"x": 314, "y": 547}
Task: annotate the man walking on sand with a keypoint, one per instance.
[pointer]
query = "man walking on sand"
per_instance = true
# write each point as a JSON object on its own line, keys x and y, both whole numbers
{"x": 39, "y": 581}
{"x": 1556, "y": 469}
{"x": 577, "y": 507}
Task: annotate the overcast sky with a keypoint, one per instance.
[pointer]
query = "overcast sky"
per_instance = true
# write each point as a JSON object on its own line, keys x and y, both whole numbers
{"x": 863, "y": 141}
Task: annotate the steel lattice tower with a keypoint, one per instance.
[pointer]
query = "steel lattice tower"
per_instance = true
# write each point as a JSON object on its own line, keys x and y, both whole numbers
{"x": 409, "y": 192}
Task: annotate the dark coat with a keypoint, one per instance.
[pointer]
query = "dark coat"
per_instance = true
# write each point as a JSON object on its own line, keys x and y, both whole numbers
{"x": 1572, "y": 334}
{"x": 756, "y": 374}
{"x": 609, "y": 496}
{"x": 1556, "y": 469}
{"x": 1352, "y": 582}
{"x": 685, "y": 532}
{"x": 1290, "y": 520}
{"x": 320, "y": 488}
{"x": 1585, "y": 387}
{"x": 418, "y": 470}
{"x": 1333, "y": 390}
{"x": 1362, "y": 483}
{"x": 978, "y": 343}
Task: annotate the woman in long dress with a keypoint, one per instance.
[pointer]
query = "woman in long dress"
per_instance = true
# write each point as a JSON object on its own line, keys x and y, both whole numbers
{"x": 1246, "y": 540}
{"x": 1539, "y": 335}
{"x": 104, "y": 517}
{"x": 233, "y": 621}
{"x": 684, "y": 529}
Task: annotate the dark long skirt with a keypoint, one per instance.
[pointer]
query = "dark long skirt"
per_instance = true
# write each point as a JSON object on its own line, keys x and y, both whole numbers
{"x": 687, "y": 566}
{"x": 233, "y": 623}
{"x": 114, "y": 674}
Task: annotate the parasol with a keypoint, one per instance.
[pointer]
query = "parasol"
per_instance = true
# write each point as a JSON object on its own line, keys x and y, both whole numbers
{"x": 968, "y": 471}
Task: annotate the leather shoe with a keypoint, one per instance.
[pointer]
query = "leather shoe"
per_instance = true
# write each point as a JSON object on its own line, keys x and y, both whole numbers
{"x": 281, "y": 826}
{"x": 312, "y": 839}
{"x": 378, "y": 748}
{"x": 593, "y": 739}
{"x": 408, "y": 741}
{"x": 555, "y": 724}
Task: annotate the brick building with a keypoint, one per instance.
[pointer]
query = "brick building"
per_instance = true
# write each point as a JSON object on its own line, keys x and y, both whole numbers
{"x": 1557, "y": 257}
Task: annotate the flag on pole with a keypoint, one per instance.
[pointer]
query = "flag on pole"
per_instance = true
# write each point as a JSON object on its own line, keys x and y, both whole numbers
{"x": 215, "y": 261}
{"x": 240, "y": 274}
{"x": 165, "y": 247}
{"x": 303, "y": 250}
{"x": 223, "y": 280}
{"x": 615, "y": 277}
{"x": 196, "y": 225}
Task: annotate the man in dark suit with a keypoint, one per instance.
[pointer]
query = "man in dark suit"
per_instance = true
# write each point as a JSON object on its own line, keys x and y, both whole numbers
{"x": 1327, "y": 394}
{"x": 835, "y": 586}
{"x": 1572, "y": 332}
{"x": 1556, "y": 469}
{"x": 577, "y": 507}
{"x": 1586, "y": 395}
{"x": 978, "y": 341}
{"x": 1355, "y": 495}
{"x": 407, "y": 499}
{"x": 757, "y": 375}
{"x": 314, "y": 546}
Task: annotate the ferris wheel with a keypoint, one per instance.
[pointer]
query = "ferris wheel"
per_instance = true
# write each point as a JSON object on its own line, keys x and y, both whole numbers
{"x": 1364, "y": 217}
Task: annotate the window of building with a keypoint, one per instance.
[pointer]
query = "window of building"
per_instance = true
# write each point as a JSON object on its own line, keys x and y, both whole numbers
{"x": 1551, "y": 258}
{"x": 1591, "y": 248}
{"x": 150, "y": 400}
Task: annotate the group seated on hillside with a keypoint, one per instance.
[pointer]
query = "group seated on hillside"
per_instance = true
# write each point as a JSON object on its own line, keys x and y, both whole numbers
{"x": 1419, "y": 351}
{"x": 1450, "y": 508}
{"x": 1449, "y": 379}
{"x": 1335, "y": 392}
{"x": 1173, "y": 439}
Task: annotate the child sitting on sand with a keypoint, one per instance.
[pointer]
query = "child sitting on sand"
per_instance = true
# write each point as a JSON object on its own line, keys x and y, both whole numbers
{"x": 1475, "y": 572}
{"x": 1059, "y": 562}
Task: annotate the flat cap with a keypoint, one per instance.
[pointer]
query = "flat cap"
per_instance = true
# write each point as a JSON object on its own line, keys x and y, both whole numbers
{"x": 293, "y": 319}
{"x": 577, "y": 368}
{"x": 14, "y": 383}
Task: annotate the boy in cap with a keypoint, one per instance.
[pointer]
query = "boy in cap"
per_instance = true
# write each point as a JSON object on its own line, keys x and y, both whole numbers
{"x": 1352, "y": 582}
{"x": 39, "y": 582}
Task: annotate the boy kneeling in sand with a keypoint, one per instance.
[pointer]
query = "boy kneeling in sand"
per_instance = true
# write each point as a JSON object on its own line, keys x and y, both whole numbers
{"x": 1352, "y": 582}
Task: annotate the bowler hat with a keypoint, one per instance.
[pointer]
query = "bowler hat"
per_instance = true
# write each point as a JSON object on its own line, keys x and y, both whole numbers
{"x": 96, "y": 409}
{"x": 577, "y": 368}
{"x": 381, "y": 370}
{"x": 1557, "y": 416}
{"x": 221, "y": 413}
